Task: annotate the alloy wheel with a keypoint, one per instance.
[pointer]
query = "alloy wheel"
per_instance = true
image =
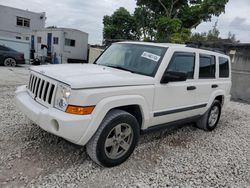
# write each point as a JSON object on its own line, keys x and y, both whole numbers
{"x": 10, "y": 62}
{"x": 119, "y": 141}
{"x": 213, "y": 116}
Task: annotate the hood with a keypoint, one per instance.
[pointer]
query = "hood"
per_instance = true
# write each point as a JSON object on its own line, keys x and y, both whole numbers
{"x": 92, "y": 76}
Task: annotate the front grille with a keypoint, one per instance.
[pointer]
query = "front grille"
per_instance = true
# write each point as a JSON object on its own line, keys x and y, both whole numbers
{"x": 41, "y": 89}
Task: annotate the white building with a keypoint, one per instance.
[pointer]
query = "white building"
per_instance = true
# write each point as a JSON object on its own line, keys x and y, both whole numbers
{"x": 67, "y": 45}
{"x": 19, "y": 24}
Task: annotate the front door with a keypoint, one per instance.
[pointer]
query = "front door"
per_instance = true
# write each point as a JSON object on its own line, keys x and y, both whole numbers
{"x": 177, "y": 100}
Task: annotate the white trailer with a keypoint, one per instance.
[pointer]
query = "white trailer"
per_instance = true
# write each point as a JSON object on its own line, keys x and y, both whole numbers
{"x": 67, "y": 45}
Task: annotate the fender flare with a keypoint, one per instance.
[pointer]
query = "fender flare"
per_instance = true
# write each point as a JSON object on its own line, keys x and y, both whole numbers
{"x": 214, "y": 95}
{"x": 107, "y": 104}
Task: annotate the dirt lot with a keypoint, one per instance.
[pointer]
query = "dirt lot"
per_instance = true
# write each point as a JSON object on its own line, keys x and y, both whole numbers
{"x": 187, "y": 157}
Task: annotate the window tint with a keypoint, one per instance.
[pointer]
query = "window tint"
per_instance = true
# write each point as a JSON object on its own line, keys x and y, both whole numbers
{"x": 39, "y": 40}
{"x": 207, "y": 66}
{"x": 19, "y": 21}
{"x": 183, "y": 62}
{"x": 70, "y": 42}
{"x": 24, "y": 22}
{"x": 55, "y": 40}
{"x": 224, "y": 67}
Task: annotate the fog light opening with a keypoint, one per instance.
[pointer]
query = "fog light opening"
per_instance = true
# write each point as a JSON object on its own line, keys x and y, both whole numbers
{"x": 55, "y": 125}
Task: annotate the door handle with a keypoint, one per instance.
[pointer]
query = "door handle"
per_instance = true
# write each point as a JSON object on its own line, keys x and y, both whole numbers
{"x": 215, "y": 86}
{"x": 189, "y": 88}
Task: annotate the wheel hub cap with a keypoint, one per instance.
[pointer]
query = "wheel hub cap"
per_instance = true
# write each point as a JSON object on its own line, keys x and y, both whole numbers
{"x": 213, "y": 117}
{"x": 9, "y": 62}
{"x": 118, "y": 141}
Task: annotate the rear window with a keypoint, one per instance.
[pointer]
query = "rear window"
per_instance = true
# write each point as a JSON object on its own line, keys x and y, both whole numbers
{"x": 207, "y": 67}
{"x": 224, "y": 67}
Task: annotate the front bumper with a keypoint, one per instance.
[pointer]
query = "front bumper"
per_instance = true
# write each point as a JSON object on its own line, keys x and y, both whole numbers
{"x": 68, "y": 126}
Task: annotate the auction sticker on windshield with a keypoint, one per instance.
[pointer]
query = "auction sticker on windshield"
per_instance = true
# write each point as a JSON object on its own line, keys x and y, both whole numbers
{"x": 151, "y": 56}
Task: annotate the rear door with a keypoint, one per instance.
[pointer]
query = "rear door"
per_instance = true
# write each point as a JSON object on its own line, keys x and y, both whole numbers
{"x": 207, "y": 81}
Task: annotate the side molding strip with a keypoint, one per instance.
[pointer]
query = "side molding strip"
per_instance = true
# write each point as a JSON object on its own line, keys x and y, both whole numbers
{"x": 163, "y": 113}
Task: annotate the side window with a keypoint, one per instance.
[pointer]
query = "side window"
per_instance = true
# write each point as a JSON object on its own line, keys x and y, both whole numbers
{"x": 207, "y": 67}
{"x": 224, "y": 67}
{"x": 39, "y": 40}
{"x": 55, "y": 40}
{"x": 70, "y": 42}
{"x": 183, "y": 62}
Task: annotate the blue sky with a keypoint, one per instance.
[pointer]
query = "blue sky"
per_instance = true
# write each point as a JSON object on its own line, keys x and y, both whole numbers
{"x": 87, "y": 15}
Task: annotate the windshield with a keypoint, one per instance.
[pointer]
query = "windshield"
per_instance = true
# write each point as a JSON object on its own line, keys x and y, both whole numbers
{"x": 140, "y": 59}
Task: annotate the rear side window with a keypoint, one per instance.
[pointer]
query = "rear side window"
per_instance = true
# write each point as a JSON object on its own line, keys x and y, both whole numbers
{"x": 224, "y": 67}
{"x": 207, "y": 67}
{"x": 183, "y": 62}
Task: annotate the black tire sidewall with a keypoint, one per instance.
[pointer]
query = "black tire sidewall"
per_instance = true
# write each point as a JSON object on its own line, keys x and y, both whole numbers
{"x": 215, "y": 103}
{"x": 100, "y": 149}
{"x": 9, "y": 58}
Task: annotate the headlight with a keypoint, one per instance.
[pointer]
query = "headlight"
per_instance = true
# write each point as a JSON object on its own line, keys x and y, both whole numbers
{"x": 62, "y": 96}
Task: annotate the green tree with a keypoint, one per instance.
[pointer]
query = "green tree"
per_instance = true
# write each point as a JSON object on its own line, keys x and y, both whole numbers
{"x": 145, "y": 23}
{"x": 232, "y": 38}
{"x": 214, "y": 33}
{"x": 173, "y": 18}
{"x": 198, "y": 37}
{"x": 120, "y": 25}
{"x": 161, "y": 20}
{"x": 212, "y": 36}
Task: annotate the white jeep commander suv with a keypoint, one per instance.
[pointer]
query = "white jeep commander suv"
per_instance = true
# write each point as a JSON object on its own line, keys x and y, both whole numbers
{"x": 132, "y": 87}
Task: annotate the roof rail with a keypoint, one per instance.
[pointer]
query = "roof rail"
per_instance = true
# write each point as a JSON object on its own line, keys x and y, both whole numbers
{"x": 199, "y": 46}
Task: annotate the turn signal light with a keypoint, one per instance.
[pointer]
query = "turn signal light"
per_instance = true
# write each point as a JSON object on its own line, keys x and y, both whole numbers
{"x": 78, "y": 110}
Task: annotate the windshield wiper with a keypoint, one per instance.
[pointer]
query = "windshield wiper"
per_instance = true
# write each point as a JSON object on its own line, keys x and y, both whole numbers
{"x": 119, "y": 67}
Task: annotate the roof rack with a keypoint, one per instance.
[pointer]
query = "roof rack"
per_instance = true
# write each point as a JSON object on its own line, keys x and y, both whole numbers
{"x": 199, "y": 46}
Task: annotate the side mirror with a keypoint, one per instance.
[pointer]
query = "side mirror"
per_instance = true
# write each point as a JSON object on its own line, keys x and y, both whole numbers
{"x": 174, "y": 77}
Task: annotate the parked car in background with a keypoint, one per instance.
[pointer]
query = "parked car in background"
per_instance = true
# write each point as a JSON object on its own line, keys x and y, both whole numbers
{"x": 10, "y": 57}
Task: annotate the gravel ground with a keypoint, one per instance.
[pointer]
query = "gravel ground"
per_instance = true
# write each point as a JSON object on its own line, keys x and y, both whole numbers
{"x": 187, "y": 157}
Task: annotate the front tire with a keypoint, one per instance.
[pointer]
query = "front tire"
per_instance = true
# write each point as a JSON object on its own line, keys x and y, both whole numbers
{"x": 210, "y": 119}
{"x": 115, "y": 140}
{"x": 9, "y": 62}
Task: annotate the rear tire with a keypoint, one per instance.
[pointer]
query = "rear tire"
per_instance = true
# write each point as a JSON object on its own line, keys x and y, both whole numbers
{"x": 9, "y": 62}
{"x": 210, "y": 119}
{"x": 115, "y": 140}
